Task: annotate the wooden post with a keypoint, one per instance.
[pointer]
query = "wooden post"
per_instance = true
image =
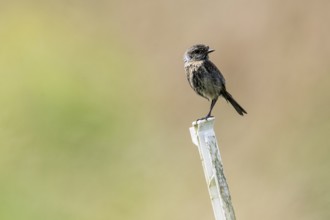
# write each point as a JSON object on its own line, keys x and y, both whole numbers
{"x": 203, "y": 137}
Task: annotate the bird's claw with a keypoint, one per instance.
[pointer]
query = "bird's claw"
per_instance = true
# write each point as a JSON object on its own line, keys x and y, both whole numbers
{"x": 204, "y": 118}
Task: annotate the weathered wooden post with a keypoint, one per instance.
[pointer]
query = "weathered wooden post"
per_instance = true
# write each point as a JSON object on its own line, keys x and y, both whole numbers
{"x": 203, "y": 136}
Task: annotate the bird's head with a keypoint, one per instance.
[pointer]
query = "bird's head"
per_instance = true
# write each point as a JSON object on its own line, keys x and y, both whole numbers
{"x": 197, "y": 52}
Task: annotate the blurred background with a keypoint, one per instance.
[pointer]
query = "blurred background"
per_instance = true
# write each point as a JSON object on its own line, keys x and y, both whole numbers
{"x": 95, "y": 109}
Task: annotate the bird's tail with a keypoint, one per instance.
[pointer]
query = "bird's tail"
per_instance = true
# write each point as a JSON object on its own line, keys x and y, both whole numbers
{"x": 232, "y": 101}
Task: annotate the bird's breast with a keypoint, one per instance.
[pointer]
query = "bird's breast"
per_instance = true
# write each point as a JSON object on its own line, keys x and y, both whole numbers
{"x": 204, "y": 82}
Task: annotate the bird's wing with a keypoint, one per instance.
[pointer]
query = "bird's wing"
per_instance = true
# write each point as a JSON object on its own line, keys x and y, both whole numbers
{"x": 211, "y": 68}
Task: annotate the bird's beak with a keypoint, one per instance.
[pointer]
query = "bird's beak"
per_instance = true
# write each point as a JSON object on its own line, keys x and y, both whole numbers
{"x": 210, "y": 51}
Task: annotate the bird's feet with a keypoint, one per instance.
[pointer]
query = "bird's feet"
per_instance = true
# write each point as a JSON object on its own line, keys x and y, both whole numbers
{"x": 204, "y": 118}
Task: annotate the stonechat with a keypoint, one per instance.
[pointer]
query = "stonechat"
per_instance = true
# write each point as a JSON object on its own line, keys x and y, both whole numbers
{"x": 205, "y": 78}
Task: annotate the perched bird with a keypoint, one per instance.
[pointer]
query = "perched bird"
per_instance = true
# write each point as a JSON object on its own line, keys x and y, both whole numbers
{"x": 205, "y": 78}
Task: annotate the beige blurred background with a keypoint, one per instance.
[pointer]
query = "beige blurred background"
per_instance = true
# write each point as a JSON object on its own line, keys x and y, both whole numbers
{"x": 95, "y": 109}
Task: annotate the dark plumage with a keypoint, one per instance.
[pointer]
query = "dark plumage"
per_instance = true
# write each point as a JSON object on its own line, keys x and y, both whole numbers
{"x": 205, "y": 78}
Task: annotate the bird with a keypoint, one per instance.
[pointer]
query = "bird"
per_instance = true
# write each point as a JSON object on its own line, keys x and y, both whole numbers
{"x": 206, "y": 79}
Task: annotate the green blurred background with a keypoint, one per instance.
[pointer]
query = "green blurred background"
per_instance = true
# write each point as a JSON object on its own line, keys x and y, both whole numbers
{"x": 95, "y": 109}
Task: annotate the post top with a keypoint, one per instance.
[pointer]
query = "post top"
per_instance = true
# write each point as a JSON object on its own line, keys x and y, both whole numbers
{"x": 203, "y": 121}
{"x": 204, "y": 124}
